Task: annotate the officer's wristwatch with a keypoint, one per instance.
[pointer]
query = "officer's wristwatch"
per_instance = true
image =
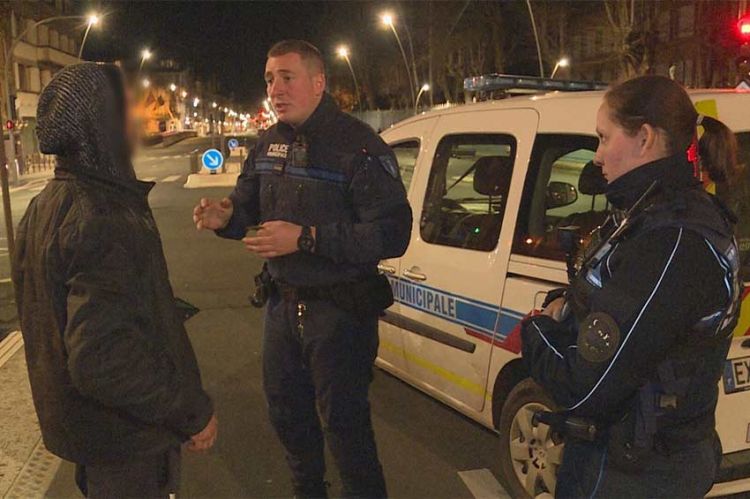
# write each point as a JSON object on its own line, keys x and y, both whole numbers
{"x": 306, "y": 241}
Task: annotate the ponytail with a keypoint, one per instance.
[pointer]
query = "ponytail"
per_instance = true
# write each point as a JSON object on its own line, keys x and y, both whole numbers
{"x": 718, "y": 151}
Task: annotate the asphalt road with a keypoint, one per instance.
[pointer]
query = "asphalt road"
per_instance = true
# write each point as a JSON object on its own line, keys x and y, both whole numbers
{"x": 423, "y": 445}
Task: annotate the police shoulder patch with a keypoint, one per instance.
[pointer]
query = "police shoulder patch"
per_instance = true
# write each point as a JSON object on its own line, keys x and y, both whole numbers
{"x": 389, "y": 164}
{"x": 598, "y": 337}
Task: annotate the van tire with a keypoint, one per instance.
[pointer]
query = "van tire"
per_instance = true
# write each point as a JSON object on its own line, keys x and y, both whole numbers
{"x": 538, "y": 452}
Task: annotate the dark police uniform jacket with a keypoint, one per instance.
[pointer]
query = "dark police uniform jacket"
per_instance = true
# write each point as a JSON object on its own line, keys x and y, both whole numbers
{"x": 671, "y": 290}
{"x": 348, "y": 187}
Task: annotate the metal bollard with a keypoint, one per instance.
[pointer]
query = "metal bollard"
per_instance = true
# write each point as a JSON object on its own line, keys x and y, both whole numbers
{"x": 194, "y": 163}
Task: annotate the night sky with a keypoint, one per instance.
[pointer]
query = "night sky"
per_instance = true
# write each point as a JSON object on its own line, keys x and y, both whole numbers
{"x": 226, "y": 39}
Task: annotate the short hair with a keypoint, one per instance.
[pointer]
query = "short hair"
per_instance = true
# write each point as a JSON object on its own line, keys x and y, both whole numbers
{"x": 308, "y": 52}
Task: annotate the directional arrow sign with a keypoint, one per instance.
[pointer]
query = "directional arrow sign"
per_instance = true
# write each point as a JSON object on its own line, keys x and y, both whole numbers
{"x": 212, "y": 159}
{"x": 233, "y": 143}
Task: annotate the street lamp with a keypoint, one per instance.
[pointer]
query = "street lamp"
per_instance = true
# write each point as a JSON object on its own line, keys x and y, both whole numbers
{"x": 214, "y": 105}
{"x": 562, "y": 63}
{"x": 343, "y": 52}
{"x": 146, "y": 83}
{"x": 196, "y": 101}
{"x": 425, "y": 88}
{"x": 91, "y": 20}
{"x": 145, "y": 55}
{"x": 387, "y": 19}
{"x": 9, "y": 94}
{"x": 184, "y": 94}
{"x": 173, "y": 87}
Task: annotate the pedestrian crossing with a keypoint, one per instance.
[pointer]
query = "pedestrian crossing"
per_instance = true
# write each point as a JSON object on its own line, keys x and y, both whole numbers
{"x": 162, "y": 180}
{"x": 140, "y": 159}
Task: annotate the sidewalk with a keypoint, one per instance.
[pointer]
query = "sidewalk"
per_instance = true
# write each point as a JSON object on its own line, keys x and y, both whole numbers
{"x": 31, "y": 179}
{"x": 26, "y": 467}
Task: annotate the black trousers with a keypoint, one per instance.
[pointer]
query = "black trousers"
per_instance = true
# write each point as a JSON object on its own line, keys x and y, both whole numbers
{"x": 587, "y": 472}
{"x": 145, "y": 477}
{"x": 316, "y": 381}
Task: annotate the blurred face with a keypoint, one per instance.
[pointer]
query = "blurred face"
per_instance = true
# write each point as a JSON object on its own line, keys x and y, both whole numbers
{"x": 295, "y": 89}
{"x": 620, "y": 152}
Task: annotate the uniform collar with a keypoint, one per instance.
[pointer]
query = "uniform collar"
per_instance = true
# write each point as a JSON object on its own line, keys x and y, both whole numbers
{"x": 326, "y": 110}
{"x": 673, "y": 172}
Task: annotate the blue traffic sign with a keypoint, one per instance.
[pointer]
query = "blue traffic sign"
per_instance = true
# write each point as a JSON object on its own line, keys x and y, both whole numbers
{"x": 233, "y": 143}
{"x": 212, "y": 159}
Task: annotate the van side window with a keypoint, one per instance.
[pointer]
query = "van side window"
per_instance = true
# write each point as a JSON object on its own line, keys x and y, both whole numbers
{"x": 557, "y": 199}
{"x": 406, "y": 155}
{"x": 467, "y": 191}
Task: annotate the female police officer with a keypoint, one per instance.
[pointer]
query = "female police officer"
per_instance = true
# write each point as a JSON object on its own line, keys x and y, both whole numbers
{"x": 634, "y": 349}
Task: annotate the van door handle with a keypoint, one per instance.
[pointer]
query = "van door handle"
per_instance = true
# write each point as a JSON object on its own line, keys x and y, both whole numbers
{"x": 386, "y": 269}
{"x": 413, "y": 273}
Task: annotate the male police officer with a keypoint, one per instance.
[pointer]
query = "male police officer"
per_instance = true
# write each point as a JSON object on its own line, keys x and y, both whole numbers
{"x": 328, "y": 195}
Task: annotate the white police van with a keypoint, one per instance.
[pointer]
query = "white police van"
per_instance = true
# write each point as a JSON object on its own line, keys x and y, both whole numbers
{"x": 488, "y": 183}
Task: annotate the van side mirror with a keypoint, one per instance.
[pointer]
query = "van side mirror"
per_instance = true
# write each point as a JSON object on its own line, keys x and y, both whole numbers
{"x": 561, "y": 194}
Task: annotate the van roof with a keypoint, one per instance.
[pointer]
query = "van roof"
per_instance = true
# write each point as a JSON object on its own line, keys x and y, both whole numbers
{"x": 586, "y": 104}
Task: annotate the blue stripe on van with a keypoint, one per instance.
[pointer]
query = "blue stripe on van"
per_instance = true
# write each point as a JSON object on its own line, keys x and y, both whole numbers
{"x": 478, "y": 317}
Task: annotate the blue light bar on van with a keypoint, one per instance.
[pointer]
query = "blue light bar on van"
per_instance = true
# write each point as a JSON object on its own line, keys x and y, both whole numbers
{"x": 488, "y": 83}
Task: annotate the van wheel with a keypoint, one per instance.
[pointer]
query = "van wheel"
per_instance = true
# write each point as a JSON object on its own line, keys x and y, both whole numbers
{"x": 529, "y": 454}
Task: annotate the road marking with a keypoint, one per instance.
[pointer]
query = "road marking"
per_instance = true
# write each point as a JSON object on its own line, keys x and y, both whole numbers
{"x": 171, "y": 178}
{"x": 148, "y": 179}
{"x": 482, "y": 484}
{"x": 10, "y": 345}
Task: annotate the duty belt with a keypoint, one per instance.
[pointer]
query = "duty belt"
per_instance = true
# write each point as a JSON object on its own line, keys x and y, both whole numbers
{"x": 304, "y": 293}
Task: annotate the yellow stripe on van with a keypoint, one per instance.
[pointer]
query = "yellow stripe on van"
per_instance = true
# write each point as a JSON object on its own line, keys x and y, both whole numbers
{"x": 439, "y": 371}
{"x": 707, "y": 107}
{"x": 743, "y": 324}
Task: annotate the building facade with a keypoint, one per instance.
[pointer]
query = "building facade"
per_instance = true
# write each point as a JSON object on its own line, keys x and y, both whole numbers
{"x": 39, "y": 54}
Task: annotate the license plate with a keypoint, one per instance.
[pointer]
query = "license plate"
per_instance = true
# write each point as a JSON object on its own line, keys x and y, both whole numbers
{"x": 737, "y": 375}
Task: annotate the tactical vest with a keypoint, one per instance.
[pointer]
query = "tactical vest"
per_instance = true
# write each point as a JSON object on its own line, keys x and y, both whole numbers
{"x": 670, "y": 410}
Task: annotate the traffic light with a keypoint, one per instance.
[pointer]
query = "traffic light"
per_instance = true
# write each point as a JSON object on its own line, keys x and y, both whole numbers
{"x": 9, "y": 125}
{"x": 743, "y": 28}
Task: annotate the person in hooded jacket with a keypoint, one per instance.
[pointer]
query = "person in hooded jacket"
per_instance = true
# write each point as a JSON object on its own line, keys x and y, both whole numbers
{"x": 633, "y": 350}
{"x": 113, "y": 375}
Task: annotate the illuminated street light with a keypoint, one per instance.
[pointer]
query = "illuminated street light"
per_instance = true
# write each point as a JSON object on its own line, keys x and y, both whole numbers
{"x": 146, "y": 83}
{"x": 145, "y": 55}
{"x": 226, "y": 109}
{"x": 214, "y": 105}
{"x": 562, "y": 63}
{"x": 184, "y": 94}
{"x": 196, "y": 101}
{"x": 343, "y": 52}
{"x": 91, "y": 20}
{"x": 173, "y": 87}
{"x": 387, "y": 19}
{"x": 425, "y": 88}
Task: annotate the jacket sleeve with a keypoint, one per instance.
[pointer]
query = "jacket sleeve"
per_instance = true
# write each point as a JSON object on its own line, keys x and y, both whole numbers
{"x": 245, "y": 200}
{"x": 653, "y": 298}
{"x": 382, "y": 223}
{"x": 110, "y": 358}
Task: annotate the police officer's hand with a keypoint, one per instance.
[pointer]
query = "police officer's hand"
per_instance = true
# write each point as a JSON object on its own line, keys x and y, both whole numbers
{"x": 206, "y": 438}
{"x": 555, "y": 309}
{"x": 213, "y": 215}
{"x": 275, "y": 238}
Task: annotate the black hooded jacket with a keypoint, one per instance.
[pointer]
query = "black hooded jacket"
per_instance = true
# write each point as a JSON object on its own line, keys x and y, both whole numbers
{"x": 112, "y": 371}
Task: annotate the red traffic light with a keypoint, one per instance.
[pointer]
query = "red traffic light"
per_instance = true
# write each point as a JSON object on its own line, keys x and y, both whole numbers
{"x": 743, "y": 27}
{"x": 9, "y": 125}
